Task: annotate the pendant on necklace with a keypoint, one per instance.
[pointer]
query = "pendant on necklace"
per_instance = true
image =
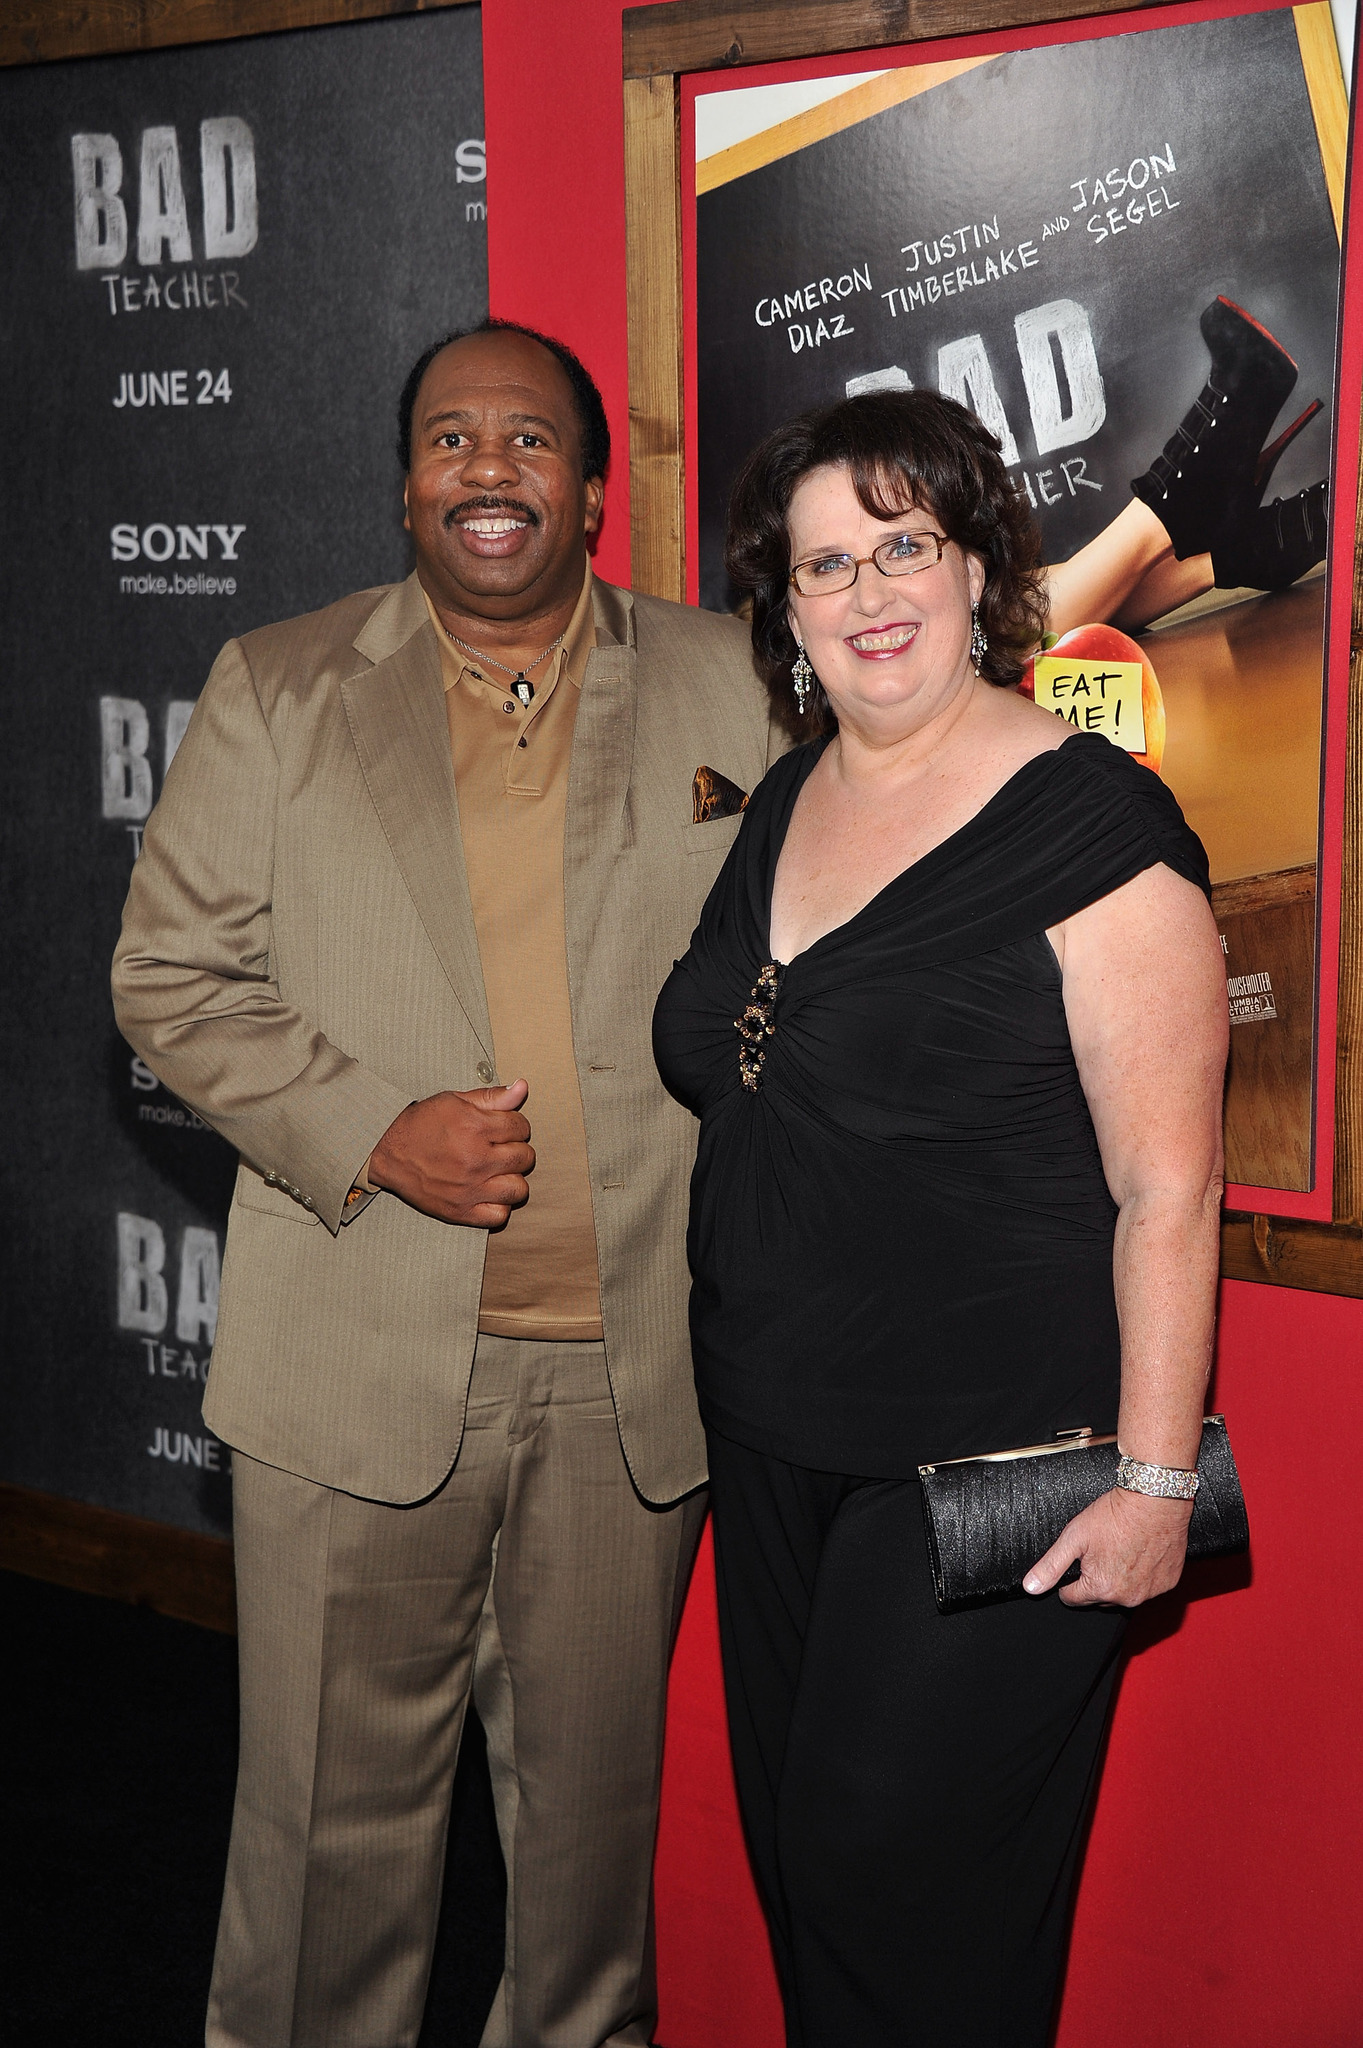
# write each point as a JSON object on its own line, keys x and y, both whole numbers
{"x": 525, "y": 691}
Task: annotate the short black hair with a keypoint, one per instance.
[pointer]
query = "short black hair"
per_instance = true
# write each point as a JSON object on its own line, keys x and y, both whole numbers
{"x": 900, "y": 449}
{"x": 593, "y": 430}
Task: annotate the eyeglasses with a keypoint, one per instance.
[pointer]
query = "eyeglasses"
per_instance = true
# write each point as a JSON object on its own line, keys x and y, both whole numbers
{"x": 903, "y": 555}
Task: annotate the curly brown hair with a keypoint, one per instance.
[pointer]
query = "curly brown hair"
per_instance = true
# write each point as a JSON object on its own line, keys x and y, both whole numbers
{"x": 901, "y": 449}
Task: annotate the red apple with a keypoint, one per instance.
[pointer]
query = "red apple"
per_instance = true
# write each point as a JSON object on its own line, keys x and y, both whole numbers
{"x": 1105, "y": 643}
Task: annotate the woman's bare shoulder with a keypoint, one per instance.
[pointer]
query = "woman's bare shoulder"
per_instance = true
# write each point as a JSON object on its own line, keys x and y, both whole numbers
{"x": 1018, "y": 730}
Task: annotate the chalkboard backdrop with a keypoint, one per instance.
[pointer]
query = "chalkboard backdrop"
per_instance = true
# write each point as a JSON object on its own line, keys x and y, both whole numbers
{"x": 219, "y": 264}
{"x": 1039, "y": 237}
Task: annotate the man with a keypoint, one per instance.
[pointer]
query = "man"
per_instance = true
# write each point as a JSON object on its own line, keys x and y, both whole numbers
{"x": 420, "y": 867}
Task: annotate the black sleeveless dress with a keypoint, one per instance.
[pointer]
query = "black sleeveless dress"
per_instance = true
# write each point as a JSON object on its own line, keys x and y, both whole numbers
{"x": 901, "y": 1236}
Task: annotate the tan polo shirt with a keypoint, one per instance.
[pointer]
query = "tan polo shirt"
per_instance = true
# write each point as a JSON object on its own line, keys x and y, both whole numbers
{"x": 511, "y": 774}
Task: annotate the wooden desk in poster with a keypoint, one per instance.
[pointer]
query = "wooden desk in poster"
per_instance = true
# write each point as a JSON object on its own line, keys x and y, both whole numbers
{"x": 1242, "y": 693}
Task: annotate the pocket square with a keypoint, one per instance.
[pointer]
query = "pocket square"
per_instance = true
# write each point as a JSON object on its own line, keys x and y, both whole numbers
{"x": 714, "y": 796}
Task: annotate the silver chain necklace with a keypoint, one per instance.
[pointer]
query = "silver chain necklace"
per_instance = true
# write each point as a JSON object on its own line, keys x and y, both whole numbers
{"x": 523, "y": 689}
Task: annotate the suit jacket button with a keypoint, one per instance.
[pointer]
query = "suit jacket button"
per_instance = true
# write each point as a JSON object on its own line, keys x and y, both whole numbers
{"x": 484, "y": 1071}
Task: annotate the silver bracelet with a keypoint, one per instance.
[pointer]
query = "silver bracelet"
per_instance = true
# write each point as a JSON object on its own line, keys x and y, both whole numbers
{"x": 1159, "y": 1482}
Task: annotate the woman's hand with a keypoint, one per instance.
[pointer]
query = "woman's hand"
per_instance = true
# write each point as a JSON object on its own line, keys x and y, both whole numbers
{"x": 1131, "y": 1549}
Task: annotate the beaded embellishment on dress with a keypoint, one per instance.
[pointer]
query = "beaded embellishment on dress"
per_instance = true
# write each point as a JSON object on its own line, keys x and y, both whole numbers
{"x": 757, "y": 1024}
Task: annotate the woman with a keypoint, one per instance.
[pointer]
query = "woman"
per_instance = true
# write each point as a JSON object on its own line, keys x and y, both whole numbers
{"x": 957, "y": 1190}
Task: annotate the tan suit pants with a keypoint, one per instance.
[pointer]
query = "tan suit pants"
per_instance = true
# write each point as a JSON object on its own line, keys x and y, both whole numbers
{"x": 537, "y": 1578}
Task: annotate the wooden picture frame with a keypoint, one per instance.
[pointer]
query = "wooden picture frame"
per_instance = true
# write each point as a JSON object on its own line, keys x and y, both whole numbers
{"x": 662, "y": 44}
{"x": 43, "y": 31}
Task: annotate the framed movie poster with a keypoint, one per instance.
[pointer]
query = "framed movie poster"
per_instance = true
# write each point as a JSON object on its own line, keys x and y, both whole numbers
{"x": 1111, "y": 236}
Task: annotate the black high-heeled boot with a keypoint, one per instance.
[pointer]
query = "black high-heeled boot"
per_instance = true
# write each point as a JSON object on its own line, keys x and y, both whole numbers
{"x": 1274, "y": 544}
{"x": 1210, "y": 459}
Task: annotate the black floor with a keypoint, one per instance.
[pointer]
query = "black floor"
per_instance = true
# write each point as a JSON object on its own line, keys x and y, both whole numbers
{"x": 115, "y": 1803}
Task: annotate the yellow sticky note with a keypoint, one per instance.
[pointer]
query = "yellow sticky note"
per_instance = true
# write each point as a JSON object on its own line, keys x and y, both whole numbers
{"x": 1094, "y": 696}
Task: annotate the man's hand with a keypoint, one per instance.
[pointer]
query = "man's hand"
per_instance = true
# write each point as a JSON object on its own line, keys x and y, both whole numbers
{"x": 461, "y": 1156}
{"x": 1130, "y": 1549}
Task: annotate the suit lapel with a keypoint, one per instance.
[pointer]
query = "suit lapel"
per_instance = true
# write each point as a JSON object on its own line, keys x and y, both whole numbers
{"x": 396, "y": 713}
{"x": 597, "y": 826}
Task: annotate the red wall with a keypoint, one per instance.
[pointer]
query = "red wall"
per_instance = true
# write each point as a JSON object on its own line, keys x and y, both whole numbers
{"x": 1220, "y": 1902}
{"x": 556, "y": 201}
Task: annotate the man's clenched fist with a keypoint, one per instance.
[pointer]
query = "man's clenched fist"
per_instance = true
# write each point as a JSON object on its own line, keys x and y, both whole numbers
{"x": 461, "y": 1156}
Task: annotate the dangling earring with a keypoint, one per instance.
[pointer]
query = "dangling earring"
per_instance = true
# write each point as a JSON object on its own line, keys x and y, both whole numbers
{"x": 979, "y": 639}
{"x": 804, "y": 679}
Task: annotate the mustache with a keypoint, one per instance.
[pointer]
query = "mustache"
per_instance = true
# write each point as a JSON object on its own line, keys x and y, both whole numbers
{"x": 459, "y": 512}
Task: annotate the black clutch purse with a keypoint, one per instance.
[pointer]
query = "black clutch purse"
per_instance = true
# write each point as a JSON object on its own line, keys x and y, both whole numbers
{"x": 990, "y": 1518}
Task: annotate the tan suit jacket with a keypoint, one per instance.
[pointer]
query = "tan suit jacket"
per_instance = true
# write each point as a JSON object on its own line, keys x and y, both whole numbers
{"x": 299, "y": 961}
